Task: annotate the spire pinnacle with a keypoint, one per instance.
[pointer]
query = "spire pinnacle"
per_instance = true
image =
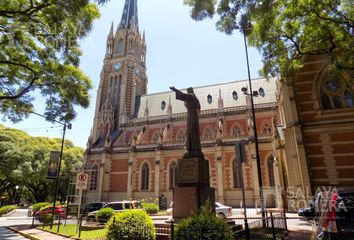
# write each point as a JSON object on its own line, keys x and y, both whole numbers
{"x": 111, "y": 31}
{"x": 130, "y": 15}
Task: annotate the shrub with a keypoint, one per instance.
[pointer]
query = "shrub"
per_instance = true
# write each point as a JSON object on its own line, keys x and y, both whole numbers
{"x": 150, "y": 207}
{"x": 38, "y": 206}
{"x": 131, "y": 224}
{"x": 104, "y": 214}
{"x": 204, "y": 225}
{"x": 45, "y": 219}
{"x": 7, "y": 209}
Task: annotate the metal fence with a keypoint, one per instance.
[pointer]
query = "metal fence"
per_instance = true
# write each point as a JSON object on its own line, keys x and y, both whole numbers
{"x": 272, "y": 226}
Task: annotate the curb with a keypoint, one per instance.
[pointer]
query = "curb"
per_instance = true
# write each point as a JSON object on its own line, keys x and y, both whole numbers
{"x": 24, "y": 234}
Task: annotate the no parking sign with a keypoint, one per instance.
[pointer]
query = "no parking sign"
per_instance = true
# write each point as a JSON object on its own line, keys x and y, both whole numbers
{"x": 81, "y": 180}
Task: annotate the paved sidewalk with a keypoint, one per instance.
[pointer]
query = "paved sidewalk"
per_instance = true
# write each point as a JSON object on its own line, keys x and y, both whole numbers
{"x": 35, "y": 234}
{"x": 299, "y": 228}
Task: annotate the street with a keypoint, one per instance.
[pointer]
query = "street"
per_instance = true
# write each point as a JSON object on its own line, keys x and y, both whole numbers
{"x": 17, "y": 218}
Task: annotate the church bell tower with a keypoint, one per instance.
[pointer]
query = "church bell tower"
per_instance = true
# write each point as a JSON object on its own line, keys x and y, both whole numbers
{"x": 123, "y": 77}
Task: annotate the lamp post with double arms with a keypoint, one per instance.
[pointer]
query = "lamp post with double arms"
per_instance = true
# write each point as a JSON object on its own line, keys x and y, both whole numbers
{"x": 258, "y": 160}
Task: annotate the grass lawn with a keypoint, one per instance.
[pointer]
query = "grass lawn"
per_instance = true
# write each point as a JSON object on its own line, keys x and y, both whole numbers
{"x": 70, "y": 231}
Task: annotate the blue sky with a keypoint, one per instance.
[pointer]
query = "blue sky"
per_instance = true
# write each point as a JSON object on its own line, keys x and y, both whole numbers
{"x": 180, "y": 53}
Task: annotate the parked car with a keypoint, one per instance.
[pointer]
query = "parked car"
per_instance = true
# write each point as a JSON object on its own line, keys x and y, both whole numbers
{"x": 58, "y": 211}
{"x": 221, "y": 210}
{"x": 117, "y": 207}
{"x": 95, "y": 206}
{"x": 336, "y": 219}
{"x": 307, "y": 213}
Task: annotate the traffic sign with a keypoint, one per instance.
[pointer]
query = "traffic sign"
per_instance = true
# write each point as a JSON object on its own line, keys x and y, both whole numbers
{"x": 81, "y": 180}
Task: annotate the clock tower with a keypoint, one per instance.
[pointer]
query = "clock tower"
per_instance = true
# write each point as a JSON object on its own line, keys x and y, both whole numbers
{"x": 123, "y": 77}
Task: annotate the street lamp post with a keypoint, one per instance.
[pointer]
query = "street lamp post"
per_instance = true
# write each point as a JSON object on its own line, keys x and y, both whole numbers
{"x": 244, "y": 90}
{"x": 65, "y": 125}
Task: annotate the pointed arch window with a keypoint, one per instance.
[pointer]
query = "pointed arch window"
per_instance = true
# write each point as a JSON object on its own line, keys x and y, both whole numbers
{"x": 234, "y": 95}
{"x": 210, "y": 99}
{"x": 120, "y": 46}
{"x": 270, "y": 164}
{"x": 236, "y": 172}
{"x": 336, "y": 92}
{"x": 93, "y": 177}
{"x": 145, "y": 177}
{"x": 172, "y": 175}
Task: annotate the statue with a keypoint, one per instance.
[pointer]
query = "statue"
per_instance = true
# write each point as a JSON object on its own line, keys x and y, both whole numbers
{"x": 192, "y": 104}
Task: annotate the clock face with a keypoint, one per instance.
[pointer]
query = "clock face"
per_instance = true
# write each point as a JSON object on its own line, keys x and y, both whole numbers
{"x": 117, "y": 66}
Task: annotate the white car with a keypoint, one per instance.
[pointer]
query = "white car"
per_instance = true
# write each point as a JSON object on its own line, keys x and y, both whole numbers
{"x": 116, "y": 206}
{"x": 221, "y": 210}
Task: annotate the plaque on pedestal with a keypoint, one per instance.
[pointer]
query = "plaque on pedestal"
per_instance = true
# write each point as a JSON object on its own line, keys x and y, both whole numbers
{"x": 193, "y": 171}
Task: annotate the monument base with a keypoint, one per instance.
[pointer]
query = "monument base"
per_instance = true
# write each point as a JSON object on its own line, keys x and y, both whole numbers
{"x": 187, "y": 200}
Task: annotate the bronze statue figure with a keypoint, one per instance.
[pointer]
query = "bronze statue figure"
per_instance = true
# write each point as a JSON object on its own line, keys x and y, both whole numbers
{"x": 192, "y": 104}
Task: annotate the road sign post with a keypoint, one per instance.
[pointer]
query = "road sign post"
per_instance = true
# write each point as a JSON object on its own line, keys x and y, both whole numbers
{"x": 81, "y": 183}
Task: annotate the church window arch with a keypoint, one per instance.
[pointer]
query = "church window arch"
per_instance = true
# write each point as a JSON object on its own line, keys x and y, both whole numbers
{"x": 120, "y": 46}
{"x": 173, "y": 175}
{"x": 236, "y": 173}
{"x": 234, "y": 95}
{"x": 93, "y": 177}
{"x": 145, "y": 177}
{"x": 335, "y": 91}
{"x": 163, "y": 105}
{"x": 209, "y": 99}
{"x": 270, "y": 166}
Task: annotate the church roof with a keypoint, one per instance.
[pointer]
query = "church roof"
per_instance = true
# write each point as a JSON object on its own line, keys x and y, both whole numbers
{"x": 208, "y": 96}
{"x": 130, "y": 12}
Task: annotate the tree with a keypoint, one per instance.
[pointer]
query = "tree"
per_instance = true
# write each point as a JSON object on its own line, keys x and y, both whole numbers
{"x": 39, "y": 53}
{"x": 287, "y": 30}
{"x": 24, "y": 162}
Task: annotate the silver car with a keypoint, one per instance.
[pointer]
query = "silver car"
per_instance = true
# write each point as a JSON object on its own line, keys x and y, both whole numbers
{"x": 221, "y": 210}
{"x": 116, "y": 206}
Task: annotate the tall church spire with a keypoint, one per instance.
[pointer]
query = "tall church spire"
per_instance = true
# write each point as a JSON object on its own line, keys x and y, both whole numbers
{"x": 130, "y": 15}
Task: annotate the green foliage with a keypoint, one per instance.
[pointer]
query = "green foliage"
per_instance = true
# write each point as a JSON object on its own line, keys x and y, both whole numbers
{"x": 24, "y": 162}
{"x": 131, "y": 224}
{"x": 45, "y": 219}
{"x": 40, "y": 205}
{"x": 287, "y": 30}
{"x": 104, "y": 214}
{"x": 39, "y": 51}
{"x": 150, "y": 206}
{"x": 7, "y": 209}
{"x": 204, "y": 225}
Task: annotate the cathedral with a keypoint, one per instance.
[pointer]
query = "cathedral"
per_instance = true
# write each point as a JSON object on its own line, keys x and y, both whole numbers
{"x": 137, "y": 138}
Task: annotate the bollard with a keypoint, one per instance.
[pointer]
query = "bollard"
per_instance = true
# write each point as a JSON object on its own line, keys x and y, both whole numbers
{"x": 58, "y": 224}
{"x": 272, "y": 222}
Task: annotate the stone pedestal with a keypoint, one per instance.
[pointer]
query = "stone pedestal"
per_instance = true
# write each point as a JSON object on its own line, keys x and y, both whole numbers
{"x": 193, "y": 186}
{"x": 187, "y": 200}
